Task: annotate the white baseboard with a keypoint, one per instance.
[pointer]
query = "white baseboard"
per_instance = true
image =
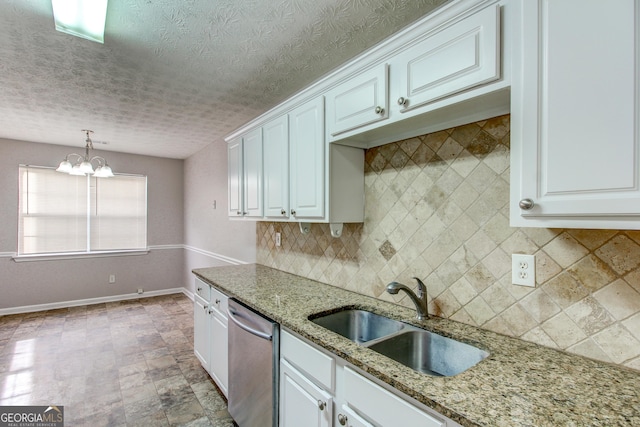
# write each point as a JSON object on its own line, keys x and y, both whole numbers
{"x": 89, "y": 301}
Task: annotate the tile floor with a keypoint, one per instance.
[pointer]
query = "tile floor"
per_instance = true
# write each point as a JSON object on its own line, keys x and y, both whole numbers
{"x": 127, "y": 363}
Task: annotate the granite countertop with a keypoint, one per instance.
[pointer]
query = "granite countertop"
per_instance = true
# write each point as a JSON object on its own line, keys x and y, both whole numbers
{"x": 519, "y": 384}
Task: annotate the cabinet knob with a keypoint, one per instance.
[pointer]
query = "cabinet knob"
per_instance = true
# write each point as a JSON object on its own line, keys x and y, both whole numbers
{"x": 342, "y": 419}
{"x": 238, "y": 213}
{"x": 321, "y": 405}
{"x": 293, "y": 212}
{"x": 402, "y": 100}
{"x": 379, "y": 110}
{"x": 217, "y": 302}
{"x": 283, "y": 212}
{"x": 526, "y": 204}
{"x": 244, "y": 213}
{"x": 206, "y": 308}
{"x": 199, "y": 289}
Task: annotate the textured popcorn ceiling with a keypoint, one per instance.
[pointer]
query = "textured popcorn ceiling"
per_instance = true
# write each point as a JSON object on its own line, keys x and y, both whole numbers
{"x": 174, "y": 76}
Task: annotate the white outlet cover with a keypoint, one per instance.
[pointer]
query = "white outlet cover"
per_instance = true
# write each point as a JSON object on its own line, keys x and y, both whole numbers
{"x": 523, "y": 270}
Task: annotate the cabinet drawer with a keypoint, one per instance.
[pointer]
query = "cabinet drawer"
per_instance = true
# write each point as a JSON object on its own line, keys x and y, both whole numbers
{"x": 203, "y": 289}
{"x": 315, "y": 364}
{"x": 387, "y": 409}
{"x": 219, "y": 302}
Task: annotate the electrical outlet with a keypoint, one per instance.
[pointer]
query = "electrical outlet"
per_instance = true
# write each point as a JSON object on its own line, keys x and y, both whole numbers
{"x": 112, "y": 278}
{"x": 278, "y": 239}
{"x": 140, "y": 290}
{"x": 523, "y": 270}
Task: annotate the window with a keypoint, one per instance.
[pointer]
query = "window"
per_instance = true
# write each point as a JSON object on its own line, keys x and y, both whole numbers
{"x": 60, "y": 213}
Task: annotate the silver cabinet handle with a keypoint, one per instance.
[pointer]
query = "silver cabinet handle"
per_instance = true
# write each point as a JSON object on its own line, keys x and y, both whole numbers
{"x": 342, "y": 419}
{"x": 526, "y": 204}
{"x": 321, "y": 405}
{"x": 402, "y": 100}
{"x": 379, "y": 110}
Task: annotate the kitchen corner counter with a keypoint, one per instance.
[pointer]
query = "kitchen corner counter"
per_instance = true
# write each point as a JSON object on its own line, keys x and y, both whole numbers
{"x": 519, "y": 384}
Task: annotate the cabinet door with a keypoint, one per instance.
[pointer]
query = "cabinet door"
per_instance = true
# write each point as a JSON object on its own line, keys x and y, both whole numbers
{"x": 302, "y": 403}
{"x": 234, "y": 171}
{"x": 219, "y": 361}
{"x": 201, "y": 330}
{"x": 306, "y": 144}
{"x": 349, "y": 418}
{"x": 276, "y": 168}
{"x": 461, "y": 56}
{"x": 358, "y": 102}
{"x": 252, "y": 173}
{"x": 574, "y": 133}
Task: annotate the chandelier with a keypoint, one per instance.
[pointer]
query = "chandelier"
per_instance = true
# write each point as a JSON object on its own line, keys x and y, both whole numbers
{"x": 83, "y": 164}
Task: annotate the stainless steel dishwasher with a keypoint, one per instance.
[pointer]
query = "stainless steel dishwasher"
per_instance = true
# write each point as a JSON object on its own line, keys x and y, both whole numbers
{"x": 254, "y": 345}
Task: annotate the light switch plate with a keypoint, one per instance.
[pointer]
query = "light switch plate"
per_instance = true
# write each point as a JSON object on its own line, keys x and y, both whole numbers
{"x": 523, "y": 270}
{"x": 278, "y": 239}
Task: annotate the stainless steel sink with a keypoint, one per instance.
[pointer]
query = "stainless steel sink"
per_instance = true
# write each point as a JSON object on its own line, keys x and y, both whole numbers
{"x": 420, "y": 350}
{"x": 430, "y": 353}
{"x": 359, "y": 326}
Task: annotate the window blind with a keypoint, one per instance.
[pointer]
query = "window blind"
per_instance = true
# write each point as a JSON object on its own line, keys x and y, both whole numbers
{"x": 61, "y": 213}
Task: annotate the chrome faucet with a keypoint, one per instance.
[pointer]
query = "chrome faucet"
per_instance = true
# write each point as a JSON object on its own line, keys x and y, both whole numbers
{"x": 420, "y": 300}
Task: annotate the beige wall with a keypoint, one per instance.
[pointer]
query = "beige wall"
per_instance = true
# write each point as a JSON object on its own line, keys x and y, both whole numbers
{"x": 44, "y": 282}
{"x": 437, "y": 208}
{"x": 211, "y": 238}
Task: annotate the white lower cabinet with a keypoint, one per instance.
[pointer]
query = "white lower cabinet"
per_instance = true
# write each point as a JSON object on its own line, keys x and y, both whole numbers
{"x": 218, "y": 356}
{"x": 302, "y": 402}
{"x": 210, "y": 339}
{"x": 320, "y": 389}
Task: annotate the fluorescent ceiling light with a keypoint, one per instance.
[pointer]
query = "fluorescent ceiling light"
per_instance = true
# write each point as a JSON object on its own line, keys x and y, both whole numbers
{"x": 81, "y": 18}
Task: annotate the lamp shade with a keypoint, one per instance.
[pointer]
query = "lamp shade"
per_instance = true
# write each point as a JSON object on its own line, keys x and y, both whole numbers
{"x": 65, "y": 166}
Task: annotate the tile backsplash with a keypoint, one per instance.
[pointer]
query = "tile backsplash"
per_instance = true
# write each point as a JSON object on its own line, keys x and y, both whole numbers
{"x": 437, "y": 207}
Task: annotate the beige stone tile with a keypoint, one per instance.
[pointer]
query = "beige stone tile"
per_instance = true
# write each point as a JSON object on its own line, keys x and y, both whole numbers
{"x": 446, "y": 304}
{"x": 498, "y": 127}
{"x": 463, "y": 227}
{"x": 546, "y": 268}
{"x": 633, "y": 364}
{"x": 564, "y": 290}
{"x": 498, "y": 263}
{"x": 592, "y": 239}
{"x": 465, "y": 163}
{"x": 618, "y": 343}
{"x": 498, "y": 298}
{"x": 481, "y": 211}
{"x": 540, "y": 305}
{"x": 565, "y": 250}
{"x": 482, "y": 177}
{"x": 518, "y": 243}
{"x": 463, "y": 317}
{"x": 498, "y": 325}
{"x": 620, "y": 299}
{"x": 633, "y": 325}
{"x": 497, "y": 194}
{"x": 498, "y": 229}
{"x": 480, "y": 244}
{"x": 464, "y": 259}
{"x": 589, "y": 348}
{"x": 464, "y": 195}
{"x": 621, "y": 253}
{"x": 479, "y": 310}
{"x": 538, "y": 336}
{"x": 519, "y": 321}
{"x": 563, "y": 331}
{"x": 463, "y": 291}
{"x": 480, "y": 277}
{"x": 542, "y": 236}
{"x": 499, "y": 159}
{"x": 592, "y": 273}
{"x": 589, "y": 315}
{"x": 449, "y": 150}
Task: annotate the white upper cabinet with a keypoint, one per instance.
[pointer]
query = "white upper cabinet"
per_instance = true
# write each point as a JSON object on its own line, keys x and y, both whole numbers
{"x": 359, "y": 101}
{"x": 307, "y": 151}
{"x": 234, "y": 172}
{"x": 252, "y": 173}
{"x": 276, "y": 168}
{"x": 245, "y": 175}
{"x": 575, "y": 124}
{"x": 459, "y": 57}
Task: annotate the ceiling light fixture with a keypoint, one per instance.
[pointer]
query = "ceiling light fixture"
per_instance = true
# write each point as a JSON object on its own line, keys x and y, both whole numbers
{"x": 83, "y": 164}
{"x": 81, "y": 18}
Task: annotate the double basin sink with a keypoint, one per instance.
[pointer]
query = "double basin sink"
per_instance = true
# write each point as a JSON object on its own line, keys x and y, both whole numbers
{"x": 419, "y": 349}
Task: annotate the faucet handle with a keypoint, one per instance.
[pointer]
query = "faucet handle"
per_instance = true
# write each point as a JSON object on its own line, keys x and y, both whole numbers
{"x": 422, "y": 288}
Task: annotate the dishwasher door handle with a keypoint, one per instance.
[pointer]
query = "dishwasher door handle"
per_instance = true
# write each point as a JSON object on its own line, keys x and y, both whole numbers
{"x": 234, "y": 315}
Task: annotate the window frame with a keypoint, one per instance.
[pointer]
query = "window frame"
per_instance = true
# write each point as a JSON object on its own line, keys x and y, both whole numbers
{"x": 90, "y": 200}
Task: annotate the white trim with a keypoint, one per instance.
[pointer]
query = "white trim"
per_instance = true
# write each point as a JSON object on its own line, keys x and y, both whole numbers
{"x": 226, "y": 259}
{"x": 90, "y": 301}
{"x": 77, "y": 255}
{"x": 7, "y": 254}
{"x": 162, "y": 247}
